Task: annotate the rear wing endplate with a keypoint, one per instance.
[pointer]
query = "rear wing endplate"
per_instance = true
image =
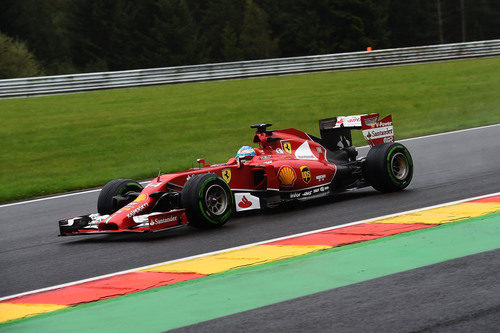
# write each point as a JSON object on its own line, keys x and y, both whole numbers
{"x": 337, "y": 130}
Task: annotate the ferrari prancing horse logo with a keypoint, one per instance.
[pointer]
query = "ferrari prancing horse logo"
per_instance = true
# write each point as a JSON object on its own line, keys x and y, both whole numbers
{"x": 287, "y": 146}
{"x": 226, "y": 175}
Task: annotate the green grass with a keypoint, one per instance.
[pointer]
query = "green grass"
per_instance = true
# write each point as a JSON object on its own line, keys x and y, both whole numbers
{"x": 59, "y": 143}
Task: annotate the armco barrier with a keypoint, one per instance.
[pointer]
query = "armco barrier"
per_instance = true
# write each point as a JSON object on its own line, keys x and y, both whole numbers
{"x": 46, "y": 85}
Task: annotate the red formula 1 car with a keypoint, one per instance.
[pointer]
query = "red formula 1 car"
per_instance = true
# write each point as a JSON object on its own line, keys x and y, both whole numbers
{"x": 288, "y": 165}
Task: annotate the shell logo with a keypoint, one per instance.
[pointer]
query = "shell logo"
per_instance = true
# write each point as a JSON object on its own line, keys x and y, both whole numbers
{"x": 286, "y": 176}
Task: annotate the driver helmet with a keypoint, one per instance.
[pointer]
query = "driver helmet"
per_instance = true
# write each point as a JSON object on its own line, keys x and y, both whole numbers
{"x": 245, "y": 152}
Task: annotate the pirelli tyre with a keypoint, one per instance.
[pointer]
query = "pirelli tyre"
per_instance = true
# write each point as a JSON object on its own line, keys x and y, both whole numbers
{"x": 208, "y": 201}
{"x": 116, "y": 194}
{"x": 388, "y": 167}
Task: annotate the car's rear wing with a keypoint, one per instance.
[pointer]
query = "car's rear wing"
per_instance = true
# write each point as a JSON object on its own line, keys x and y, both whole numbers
{"x": 336, "y": 131}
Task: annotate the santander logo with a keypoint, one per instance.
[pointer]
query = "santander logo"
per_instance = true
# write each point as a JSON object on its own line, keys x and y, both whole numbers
{"x": 245, "y": 203}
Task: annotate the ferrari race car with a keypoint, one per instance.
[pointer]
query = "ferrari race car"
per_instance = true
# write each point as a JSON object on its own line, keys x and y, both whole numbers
{"x": 289, "y": 165}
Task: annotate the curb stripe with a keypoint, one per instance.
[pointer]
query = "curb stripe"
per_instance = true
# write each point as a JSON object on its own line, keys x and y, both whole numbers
{"x": 235, "y": 259}
{"x": 9, "y": 311}
{"x": 260, "y": 253}
{"x": 447, "y": 214}
{"x": 353, "y": 234}
{"x": 488, "y": 199}
{"x": 105, "y": 288}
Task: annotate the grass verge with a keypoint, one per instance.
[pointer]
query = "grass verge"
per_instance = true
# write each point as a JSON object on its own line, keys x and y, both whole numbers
{"x": 58, "y": 143}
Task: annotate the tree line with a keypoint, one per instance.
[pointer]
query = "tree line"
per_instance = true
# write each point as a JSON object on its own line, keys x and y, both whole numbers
{"x": 49, "y": 37}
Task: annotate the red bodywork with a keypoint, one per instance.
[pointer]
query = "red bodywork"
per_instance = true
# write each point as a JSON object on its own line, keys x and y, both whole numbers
{"x": 288, "y": 165}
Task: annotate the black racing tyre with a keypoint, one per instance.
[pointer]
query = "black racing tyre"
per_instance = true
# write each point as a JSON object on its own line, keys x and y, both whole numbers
{"x": 116, "y": 187}
{"x": 388, "y": 167}
{"x": 208, "y": 201}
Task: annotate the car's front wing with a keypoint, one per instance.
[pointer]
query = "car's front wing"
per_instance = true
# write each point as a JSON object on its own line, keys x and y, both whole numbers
{"x": 93, "y": 223}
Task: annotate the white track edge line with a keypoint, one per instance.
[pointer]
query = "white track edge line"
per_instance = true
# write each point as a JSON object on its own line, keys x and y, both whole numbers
{"x": 145, "y": 182}
{"x": 246, "y": 246}
{"x": 56, "y": 197}
{"x": 451, "y": 132}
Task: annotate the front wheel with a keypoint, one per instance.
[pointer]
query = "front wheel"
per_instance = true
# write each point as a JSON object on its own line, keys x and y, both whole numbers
{"x": 208, "y": 201}
{"x": 388, "y": 167}
{"x": 125, "y": 189}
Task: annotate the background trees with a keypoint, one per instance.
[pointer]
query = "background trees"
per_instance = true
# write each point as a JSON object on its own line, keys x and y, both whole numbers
{"x": 86, "y": 35}
{"x": 16, "y": 60}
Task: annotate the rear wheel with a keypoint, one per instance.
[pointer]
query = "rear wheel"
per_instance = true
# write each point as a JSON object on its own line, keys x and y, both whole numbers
{"x": 388, "y": 167}
{"x": 208, "y": 201}
{"x": 124, "y": 189}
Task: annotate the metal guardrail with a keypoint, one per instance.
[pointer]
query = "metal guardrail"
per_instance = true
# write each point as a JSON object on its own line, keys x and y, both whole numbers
{"x": 46, "y": 85}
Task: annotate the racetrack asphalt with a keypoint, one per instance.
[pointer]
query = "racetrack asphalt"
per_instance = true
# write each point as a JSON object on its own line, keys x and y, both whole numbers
{"x": 447, "y": 167}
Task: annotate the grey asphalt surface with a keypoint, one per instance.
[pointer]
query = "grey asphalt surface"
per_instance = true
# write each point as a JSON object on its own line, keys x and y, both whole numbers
{"x": 447, "y": 167}
{"x": 426, "y": 299}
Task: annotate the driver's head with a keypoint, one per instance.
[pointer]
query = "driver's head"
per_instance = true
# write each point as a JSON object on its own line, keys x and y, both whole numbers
{"x": 245, "y": 153}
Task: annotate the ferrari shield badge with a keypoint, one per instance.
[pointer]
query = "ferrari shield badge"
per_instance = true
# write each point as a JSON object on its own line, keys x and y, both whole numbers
{"x": 226, "y": 175}
{"x": 287, "y": 146}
